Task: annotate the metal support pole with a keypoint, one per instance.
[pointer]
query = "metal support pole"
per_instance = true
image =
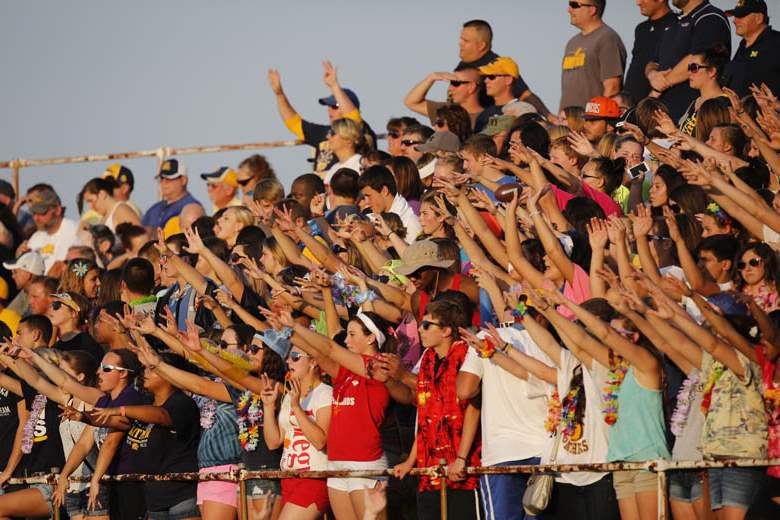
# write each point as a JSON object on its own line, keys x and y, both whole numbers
{"x": 662, "y": 494}
{"x": 243, "y": 512}
{"x": 15, "y": 177}
{"x": 443, "y": 488}
{"x": 54, "y": 477}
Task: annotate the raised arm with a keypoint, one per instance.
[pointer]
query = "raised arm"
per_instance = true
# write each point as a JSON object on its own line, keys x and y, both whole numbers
{"x": 415, "y": 99}
{"x": 64, "y": 381}
{"x": 286, "y": 111}
{"x": 515, "y": 250}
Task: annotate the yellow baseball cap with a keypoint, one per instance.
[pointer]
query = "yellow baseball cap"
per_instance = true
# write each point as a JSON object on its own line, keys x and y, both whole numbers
{"x": 224, "y": 174}
{"x": 501, "y": 66}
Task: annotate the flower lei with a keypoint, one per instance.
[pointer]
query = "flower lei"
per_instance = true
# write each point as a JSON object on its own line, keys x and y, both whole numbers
{"x": 618, "y": 367}
{"x": 488, "y": 349}
{"x": 349, "y": 295}
{"x": 29, "y": 427}
{"x": 250, "y": 413}
{"x": 553, "y": 413}
{"x": 712, "y": 378}
{"x": 571, "y": 428}
{"x": 80, "y": 269}
{"x": 685, "y": 398}
{"x": 721, "y": 216}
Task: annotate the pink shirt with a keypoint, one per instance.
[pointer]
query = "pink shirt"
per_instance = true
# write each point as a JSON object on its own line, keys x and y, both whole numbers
{"x": 606, "y": 202}
{"x": 578, "y": 292}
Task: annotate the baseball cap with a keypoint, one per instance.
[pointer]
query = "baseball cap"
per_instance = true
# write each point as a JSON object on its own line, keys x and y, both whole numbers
{"x": 746, "y": 7}
{"x": 503, "y": 65}
{"x": 440, "y": 142}
{"x": 602, "y": 108}
{"x": 330, "y": 101}
{"x": 67, "y": 300}
{"x": 497, "y": 124}
{"x": 121, "y": 174}
{"x": 223, "y": 174}
{"x": 171, "y": 169}
{"x": 423, "y": 253}
{"x": 30, "y": 261}
{"x": 518, "y": 108}
{"x": 43, "y": 200}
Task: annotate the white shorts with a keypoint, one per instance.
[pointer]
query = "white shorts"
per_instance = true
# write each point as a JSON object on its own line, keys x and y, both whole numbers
{"x": 356, "y": 484}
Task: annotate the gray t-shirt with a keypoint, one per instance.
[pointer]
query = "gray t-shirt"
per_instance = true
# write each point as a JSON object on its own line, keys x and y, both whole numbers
{"x": 589, "y": 60}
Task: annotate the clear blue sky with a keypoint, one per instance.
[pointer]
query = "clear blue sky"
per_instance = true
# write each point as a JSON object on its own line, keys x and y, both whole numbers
{"x": 105, "y": 76}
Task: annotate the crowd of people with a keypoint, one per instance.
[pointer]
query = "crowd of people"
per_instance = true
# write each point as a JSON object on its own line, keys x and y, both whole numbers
{"x": 501, "y": 285}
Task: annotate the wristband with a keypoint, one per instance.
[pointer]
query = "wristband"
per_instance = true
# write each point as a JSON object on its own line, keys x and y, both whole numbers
{"x": 460, "y": 458}
{"x": 122, "y": 411}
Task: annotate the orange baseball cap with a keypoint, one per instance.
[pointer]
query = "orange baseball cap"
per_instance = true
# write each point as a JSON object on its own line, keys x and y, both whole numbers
{"x": 602, "y": 108}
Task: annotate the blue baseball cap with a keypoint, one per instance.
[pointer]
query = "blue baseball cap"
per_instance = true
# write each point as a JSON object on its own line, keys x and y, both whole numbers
{"x": 330, "y": 101}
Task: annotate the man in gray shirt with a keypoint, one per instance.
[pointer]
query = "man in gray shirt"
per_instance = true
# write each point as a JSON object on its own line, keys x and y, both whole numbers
{"x": 594, "y": 59}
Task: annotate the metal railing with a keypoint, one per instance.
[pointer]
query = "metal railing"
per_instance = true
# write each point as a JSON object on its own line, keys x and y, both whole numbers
{"x": 162, "y": 153}
{"x": 660, "y": 467}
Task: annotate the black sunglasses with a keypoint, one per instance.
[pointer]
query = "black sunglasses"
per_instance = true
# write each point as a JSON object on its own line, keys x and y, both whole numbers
{"x": 753, "y": 262}
{"x": 439, "y": 123}
{"x": 236, "y": 258}
{"x": 577, "y": 5}
{"x": 410, "y": 142}
{"x": 225, "y": 344}
{"x": 695, "y": 67}
{"x": 425, "y": 324}
{"x": 458, "y": 83}
{"x": 493, "y": 76}
{"x": 55, "y": 306}
{"x": 244, "y": 182}
{"x": 254, "y": 349}
{"x": 339, "y": 249}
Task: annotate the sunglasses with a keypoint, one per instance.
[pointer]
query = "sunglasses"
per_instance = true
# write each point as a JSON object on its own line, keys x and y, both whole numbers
{"x": 491, "y": 77}
{"x": 439, "y": 123}
{"x": 236, "y": 258}
{"x": 753, "y": 262}
{"x": 254, "y": 349}
{"x": 295, "y": 356}
{"x": 225, "y": 344}
{"x": 393, "y": 134}
{"x": 577, "y": 5}
{"x": 425, "y": 324}
{"x": 55, "y": 306}
{"x": 458, "y": 83}
{"x": 339, "y": 249}
{"x": 695, "y": 67}
{"x": 111, "y": 368}
{"x": 244, "y": 182}
{"x": 410, "y": 142}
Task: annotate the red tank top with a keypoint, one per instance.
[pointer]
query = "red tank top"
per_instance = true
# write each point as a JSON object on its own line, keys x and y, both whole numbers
{"x": 455, "y": 286}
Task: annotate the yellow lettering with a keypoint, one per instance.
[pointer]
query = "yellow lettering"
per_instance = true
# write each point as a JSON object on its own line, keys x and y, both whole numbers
{"x": 575, "y": 60}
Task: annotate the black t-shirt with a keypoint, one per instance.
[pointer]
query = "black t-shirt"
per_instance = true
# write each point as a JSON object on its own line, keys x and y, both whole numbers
{"x": 129, "y": 396}
{"x": 759, "y": 63}
{"x": 158, "y": 449}
{"x": 46, "y": 450}
{"x": 9, "y": 422}
{"x": 647, "y": 37}
{"x": 700, "y": 29}
{"x": 81, "y": 341}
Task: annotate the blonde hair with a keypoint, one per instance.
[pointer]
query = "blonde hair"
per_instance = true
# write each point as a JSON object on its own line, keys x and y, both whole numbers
{"x": 242, "y": 214}
{"x": 349, "y": 130}
{"x": 558, "y": 131}
{"x": 606, "y": 146}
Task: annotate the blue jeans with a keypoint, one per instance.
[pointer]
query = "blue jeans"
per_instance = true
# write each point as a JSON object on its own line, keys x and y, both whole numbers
{"x": 502, "y": 495}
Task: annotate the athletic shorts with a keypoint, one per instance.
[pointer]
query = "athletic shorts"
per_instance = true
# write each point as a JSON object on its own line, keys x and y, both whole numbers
{"x": 304, "y": 492}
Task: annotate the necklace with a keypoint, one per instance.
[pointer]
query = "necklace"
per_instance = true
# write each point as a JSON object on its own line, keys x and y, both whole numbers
{"x": 618, "y": 367}
{"x": 29, "y": 427}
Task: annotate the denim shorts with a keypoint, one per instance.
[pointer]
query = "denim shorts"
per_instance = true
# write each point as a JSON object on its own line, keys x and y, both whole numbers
{"x": 686, "y": 485}
{"x": 184, "y": 509}
{"x": 47, "y": 490}
{"x": 76, "y": 503}
{"x": 735, "y": 487}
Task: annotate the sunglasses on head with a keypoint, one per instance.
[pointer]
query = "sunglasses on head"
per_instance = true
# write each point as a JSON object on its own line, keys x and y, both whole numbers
{"x": 410, "y": 142}
{"x": 695, "y": 67}
{"x": 753, "y": 262}
{"x": 295, "y": 356}
{"x": 111, "y": 368}
{"x": 426, "y": 324}
{"x": 577, "y": 5}
{"x": 458, "y": 83}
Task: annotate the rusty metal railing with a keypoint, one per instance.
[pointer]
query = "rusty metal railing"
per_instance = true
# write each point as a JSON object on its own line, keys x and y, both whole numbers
{"x": 161, "y": 154}
{"x": 241, "y": 475}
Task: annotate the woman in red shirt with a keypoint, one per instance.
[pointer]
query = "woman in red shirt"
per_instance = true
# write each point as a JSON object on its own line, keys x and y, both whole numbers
{"x": 359, "y": 404}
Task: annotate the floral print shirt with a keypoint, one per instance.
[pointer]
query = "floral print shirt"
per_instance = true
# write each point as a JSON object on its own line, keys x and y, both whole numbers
{"x": 771, "y": 393}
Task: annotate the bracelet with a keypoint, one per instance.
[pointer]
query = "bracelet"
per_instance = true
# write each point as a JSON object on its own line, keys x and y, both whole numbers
{"x": 505, "y": 347}
{"x": 460, "y": 458}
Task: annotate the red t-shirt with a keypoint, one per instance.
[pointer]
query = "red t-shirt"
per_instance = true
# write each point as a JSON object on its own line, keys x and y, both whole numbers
{"x": 359, "y": 406}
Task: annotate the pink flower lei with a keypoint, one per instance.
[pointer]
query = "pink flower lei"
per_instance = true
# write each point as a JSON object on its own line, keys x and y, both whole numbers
{"x": 29, "y": 427}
